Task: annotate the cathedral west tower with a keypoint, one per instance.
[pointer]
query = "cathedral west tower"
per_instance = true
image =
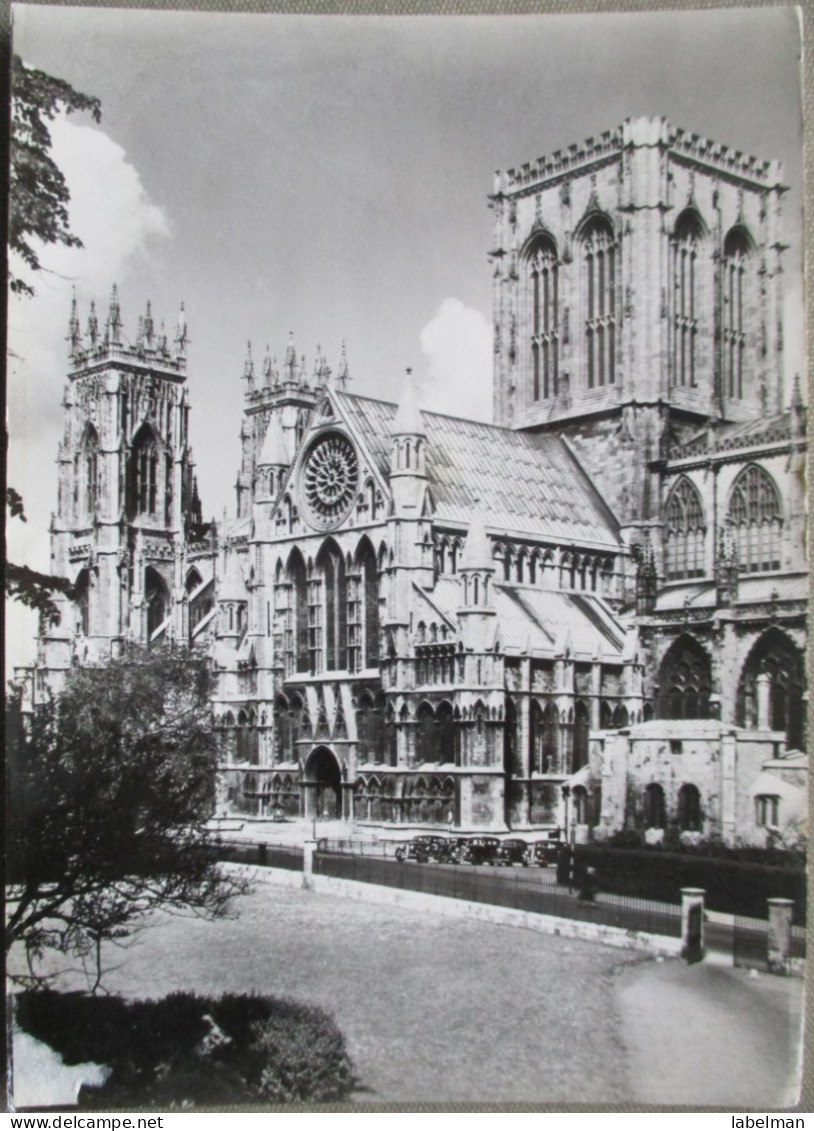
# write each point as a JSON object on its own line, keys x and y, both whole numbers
{"x": 127, "y": 500}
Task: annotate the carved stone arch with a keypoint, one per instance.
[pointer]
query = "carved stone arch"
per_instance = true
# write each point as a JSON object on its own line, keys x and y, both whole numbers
{"x": 776, "y": 701}
{"x": 690, "y": 225}
{"x": 685, "y": 680}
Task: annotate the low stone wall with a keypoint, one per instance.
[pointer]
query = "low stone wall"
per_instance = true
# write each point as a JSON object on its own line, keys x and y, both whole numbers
{"x": 659, "y": 945}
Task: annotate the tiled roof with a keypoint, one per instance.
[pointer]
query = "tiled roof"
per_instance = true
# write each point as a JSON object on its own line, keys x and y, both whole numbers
{"x": 526, "y": 483}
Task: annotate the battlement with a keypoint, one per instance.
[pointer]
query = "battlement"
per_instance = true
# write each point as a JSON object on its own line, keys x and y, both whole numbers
{"x": 635, "y": 132}
{"x": 151, "y": 346}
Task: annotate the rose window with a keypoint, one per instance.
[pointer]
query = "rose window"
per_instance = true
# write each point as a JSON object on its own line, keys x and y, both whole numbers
{"x": 331, "y": 477}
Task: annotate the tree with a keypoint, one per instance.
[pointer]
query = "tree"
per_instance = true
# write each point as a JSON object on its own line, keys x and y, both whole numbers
{"x": 109, "y": 787}
{"x": 38, "y": 192}
{"x": 38, "y": 210}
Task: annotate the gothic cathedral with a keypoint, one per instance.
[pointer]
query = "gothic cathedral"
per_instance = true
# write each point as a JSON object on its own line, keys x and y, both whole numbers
{"x": 589, "y": 615}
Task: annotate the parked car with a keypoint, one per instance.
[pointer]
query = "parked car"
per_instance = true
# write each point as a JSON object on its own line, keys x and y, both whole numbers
{"x": 423, "y": 849}
{"x": 513, "y": 851}
{"x": 544, "y": 852}
{"x": 479, "y": 850}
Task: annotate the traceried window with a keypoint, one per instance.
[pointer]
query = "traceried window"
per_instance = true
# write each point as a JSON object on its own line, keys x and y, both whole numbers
{"x": 543, "y": 303}
{"x": 686, "y": 241}
{"x": 755, "y": 518}
{"x": 735, "y": 281}
{"x": 89, "y": 473}
{"x": 685, "y": 681}
{"x": 599, "y": 283}
{"x": 144, "y": 474}
{"x": 684, "y": 545}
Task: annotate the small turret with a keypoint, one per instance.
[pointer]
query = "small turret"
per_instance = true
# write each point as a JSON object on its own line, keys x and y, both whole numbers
{"x": 476, "y": 574}
{"x": 408, "y": 454}
{"x": 646, "y": 579}
{"x": 275, "y": 458}
{"x": 148, "y": 327}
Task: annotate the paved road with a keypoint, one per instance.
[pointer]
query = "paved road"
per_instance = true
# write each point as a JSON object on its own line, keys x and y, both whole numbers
{"x": 710, "y": 1035}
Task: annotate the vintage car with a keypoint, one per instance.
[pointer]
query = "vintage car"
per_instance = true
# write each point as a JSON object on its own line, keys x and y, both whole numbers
{"x": 479, "y": 850}
{"x": 544, "y": 852}
{"x": 513, "y": 851}
{"x": 423, "y": 849}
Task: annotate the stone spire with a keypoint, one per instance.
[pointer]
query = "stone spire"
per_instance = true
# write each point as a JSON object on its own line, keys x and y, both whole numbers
{"x": 408, "y": 420}
{"x": 93, "y": 325}
{"x": 248, "y": 369}
{"x": 114, "y": 319}
{"x": 276, "y": 448}
{"x": 342, "y": 374}
{"x": 477, "y": 553}
{"x": 149, "y": 327}
{"x": 269, "y": 376}
{"x": 322, "y": 373}
{"x": 74, "y": 331}
{"x": 290, "y": 363}
{"x": 181, "y": 335}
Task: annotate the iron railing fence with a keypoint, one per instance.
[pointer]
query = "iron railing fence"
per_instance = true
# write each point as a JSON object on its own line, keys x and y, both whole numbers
{"x": 288, "y": 856}
{"x": 519, "y": 889}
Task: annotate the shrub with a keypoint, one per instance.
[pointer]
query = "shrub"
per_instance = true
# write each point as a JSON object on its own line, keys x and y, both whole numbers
{"x": 187, "y": 1050}
{"x": 625, "y": 838}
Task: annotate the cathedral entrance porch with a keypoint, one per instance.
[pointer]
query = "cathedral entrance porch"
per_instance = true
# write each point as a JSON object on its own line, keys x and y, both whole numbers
{"x": 322, "y": 785}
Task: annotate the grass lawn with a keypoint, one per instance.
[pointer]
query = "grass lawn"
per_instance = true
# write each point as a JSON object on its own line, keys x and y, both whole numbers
{"x": 433, "y": 1009}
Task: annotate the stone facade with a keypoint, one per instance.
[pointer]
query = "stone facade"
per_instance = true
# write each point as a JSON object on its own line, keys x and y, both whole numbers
{"x": 590, "y": 614}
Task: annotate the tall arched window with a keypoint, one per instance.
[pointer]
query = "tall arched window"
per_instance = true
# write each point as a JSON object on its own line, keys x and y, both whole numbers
{"x": 366, "y": 563}
{"x": 332, "y": 564}
{"x": 89, "y": 473}
{"x": 582, "y": 728}
{"x": 299, "y": 582}
{"x": 689, "y": 809}
{"x": 425, "y": 747}
{"x": 543, "y": 304}
{"x": 686, "y": 240}
{"x": 685, "y": 681}
{"x": 156, "y": 598}
{"x": 144, "y": 474}
{"x": 684, "y": 543}
{"x": 545, "y": 733}
{"x": 599, "y": 289}
{"x": 654, "y": 807}
{"x": 735, "y": 285}
{"x": 82, "y": 600}
{"x": 755, "y": 517}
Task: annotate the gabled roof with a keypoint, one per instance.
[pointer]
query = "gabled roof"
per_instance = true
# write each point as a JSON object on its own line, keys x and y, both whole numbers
{"x": 526, "y": 483}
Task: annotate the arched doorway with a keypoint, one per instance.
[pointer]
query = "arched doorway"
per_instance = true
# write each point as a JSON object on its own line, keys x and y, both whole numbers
{"x": 323, "y": 785}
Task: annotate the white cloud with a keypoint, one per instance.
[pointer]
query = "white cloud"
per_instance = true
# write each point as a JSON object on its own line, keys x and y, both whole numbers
{"x": 118, "y": 224}
{"x": 458, "y": 347}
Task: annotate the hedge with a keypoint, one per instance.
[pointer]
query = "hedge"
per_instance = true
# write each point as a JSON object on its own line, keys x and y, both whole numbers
{"x": 735, "y": 886}
{"x": 260, "y": 1049}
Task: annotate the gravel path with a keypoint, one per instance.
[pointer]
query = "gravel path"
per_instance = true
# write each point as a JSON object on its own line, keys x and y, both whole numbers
{"x": 434, "y": 1009}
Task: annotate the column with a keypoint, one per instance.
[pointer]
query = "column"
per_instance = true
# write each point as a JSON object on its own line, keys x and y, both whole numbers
{"x": 692, "y": 924}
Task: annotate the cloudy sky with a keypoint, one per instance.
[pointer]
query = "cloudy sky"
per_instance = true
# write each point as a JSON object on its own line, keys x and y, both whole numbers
{"x": 328, "y": 176}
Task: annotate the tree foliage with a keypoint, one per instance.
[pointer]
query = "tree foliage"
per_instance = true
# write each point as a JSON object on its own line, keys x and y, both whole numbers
{"x": 109, "y": 788}
{"x": 38, "y": 192}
